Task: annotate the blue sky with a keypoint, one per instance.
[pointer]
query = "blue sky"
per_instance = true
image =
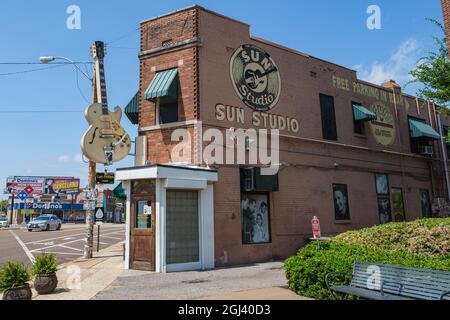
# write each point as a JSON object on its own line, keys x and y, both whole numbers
{"x": 48, "y": 143}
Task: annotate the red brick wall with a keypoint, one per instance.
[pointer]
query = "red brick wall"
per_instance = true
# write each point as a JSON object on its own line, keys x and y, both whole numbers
{"x": 446, "y": 13}
{"x": 160, "y": 35}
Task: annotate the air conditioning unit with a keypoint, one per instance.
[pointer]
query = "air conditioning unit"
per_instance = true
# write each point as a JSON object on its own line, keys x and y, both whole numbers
{"x": 426, "y": 150}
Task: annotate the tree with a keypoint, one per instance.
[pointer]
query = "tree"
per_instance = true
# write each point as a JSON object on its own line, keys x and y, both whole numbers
{"x": 433, "y": 71}
{"x": 3, "y": 206}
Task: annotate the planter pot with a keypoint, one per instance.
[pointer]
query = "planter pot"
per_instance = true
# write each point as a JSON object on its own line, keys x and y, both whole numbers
{"x": 45, "y": 283}
{"x": 19, "y": 293}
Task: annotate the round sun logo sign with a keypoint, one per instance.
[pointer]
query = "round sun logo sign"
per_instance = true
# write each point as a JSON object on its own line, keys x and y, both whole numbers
{"x": 255, "y": 77}
{"x": 383, "y": 128}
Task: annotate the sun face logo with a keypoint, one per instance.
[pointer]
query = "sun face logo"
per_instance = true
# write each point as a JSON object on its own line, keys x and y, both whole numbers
{"x": 255, "y": 77}
{"x": 383, "y": 128}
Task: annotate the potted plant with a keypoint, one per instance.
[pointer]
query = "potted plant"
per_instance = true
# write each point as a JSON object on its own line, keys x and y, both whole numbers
{"x": 44, "y": 270}
{"x": 14, "y": 279}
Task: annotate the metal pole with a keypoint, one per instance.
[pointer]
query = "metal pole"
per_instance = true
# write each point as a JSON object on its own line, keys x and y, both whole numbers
{"x": 98, "y": 238}
{"x": 88, "y": 247}
{"x": 11, "y": 212}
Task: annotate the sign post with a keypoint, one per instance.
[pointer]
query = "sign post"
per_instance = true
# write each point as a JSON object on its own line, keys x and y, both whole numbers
{"x": 98, "y": 221}
{"x": 316, "y": 230}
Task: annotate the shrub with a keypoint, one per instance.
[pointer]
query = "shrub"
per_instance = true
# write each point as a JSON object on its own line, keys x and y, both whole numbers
{"x": 45, "y": 264}
{"x": 13, "y": 275}
{"x": 389, "y": 244}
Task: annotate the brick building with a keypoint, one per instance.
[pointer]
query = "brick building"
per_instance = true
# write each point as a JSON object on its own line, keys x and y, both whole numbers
{"x": 352, "y": 153}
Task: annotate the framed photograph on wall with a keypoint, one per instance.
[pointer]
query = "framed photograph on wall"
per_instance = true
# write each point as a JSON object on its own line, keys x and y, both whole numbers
{"x": 255, "y": 219}
{"x": 425, "y": 203}
{"x": 384, "y": 210}
{"x": 340, "y": 197}
{"x": 382, "y": 184}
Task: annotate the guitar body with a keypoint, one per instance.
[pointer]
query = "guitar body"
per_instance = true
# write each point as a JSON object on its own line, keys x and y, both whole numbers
{"x": 104, "y": 133}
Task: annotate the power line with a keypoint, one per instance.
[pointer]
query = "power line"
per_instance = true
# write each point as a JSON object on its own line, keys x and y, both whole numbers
{"x": 30, "y": 70}
{"x": 40, "y": 111}
{"x": 28, "y": 63}
{"x": 124, "y": 36}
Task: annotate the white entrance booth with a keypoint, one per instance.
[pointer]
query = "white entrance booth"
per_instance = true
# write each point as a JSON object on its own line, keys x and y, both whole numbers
{"x": 174, "y": 229}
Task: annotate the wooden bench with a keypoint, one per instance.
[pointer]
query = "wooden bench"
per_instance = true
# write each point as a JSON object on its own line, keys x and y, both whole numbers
{"x": 388, "y": 282}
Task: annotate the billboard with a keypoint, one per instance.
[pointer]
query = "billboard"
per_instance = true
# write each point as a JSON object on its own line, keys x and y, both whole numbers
{"x": 18, "y": 184}
{"x": 42, "y": 185}
{"x": 61, "y": 186}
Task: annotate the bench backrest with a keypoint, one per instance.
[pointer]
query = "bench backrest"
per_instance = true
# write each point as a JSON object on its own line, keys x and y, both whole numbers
{"x": 417, "y": 283}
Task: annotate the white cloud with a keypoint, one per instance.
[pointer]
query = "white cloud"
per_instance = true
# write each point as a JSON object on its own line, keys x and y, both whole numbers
{"x": 396, "y": 67}
{"x": 63, "y": 158}
{"x": 78, "y": 158}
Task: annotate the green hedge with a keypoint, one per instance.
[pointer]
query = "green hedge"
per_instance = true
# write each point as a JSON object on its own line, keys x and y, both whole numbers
{"x": 306, "y": 271}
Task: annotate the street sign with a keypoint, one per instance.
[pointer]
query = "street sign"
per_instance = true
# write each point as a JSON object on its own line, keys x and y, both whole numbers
{"x": 316, "y": 227}
{"x": 99, "y": 215}
{"x": 104, "y": 178}
{"x": 22, "y": 195}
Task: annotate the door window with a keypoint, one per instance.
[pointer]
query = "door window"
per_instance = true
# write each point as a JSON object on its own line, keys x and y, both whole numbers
{"x": 143, "y": 214}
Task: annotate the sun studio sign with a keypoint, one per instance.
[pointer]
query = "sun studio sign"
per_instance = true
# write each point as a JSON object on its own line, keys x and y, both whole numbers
{"x": 255, "y": 77}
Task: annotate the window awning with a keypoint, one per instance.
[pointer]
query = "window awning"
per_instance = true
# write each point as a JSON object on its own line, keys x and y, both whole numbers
{"x": 419, "y": 129}
{"x": 362, "y": 114}
{"x": 119, "y": 191}
{"x": 132, "y": 109}
{"x": 164, "y": 84}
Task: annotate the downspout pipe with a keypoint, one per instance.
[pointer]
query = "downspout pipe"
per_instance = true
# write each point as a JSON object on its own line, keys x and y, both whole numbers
{"x": 444, "y": 153}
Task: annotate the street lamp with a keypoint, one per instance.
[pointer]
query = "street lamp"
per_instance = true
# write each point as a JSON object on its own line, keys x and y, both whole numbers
{"x": 88, "y": 248}
{"x": 48, "y": 59}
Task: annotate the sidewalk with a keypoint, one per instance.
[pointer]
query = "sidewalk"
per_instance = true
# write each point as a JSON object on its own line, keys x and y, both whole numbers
{"x": 95, "y": 275}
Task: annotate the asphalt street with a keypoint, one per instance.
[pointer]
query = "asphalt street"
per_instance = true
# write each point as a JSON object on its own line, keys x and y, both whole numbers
{"x": 68, "y": 243}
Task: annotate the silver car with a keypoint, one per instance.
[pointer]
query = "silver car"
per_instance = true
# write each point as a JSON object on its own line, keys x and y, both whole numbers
{"x": 44, "y": 222}
{"x": 4, "y": 222}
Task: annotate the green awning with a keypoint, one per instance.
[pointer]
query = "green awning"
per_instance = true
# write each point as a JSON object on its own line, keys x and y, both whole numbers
{"x": 419, "y": 129}
{"x": 164, "y": 84}
{"x": 362, "y": 114}
{"x": 119, "y": 191}
{"x": 132, "y": 109}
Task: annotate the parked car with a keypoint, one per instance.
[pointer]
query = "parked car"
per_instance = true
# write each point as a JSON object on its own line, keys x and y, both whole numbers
{"x": 4, "y": 222}
{"x": 45, "y": 222}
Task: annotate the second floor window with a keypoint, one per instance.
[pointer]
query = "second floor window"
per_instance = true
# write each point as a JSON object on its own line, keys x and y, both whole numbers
{"x": 328, "y": 115}
{"x": 167, "y": 110}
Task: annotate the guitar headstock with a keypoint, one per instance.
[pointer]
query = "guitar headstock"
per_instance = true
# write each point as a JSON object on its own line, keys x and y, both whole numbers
{"x": 98, "y": 50}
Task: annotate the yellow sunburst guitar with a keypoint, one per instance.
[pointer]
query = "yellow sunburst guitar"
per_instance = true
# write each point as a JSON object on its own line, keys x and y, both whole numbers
{"x": 105, "y": 141}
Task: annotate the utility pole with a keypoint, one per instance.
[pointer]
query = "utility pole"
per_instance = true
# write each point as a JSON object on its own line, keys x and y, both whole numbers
{"x": 91, "y": 194}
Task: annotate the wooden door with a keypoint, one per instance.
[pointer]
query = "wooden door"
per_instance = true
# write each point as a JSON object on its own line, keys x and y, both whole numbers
{"x": 142, "y": 248}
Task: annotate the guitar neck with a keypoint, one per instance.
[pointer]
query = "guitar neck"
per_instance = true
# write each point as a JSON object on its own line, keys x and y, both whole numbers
{"x": 100, "y": 85}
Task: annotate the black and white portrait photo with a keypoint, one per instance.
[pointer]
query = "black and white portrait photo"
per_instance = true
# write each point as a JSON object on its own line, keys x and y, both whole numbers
{"x": 384, "y": 210}
{"x": 340, "y": 196}
{"x": 382, "y": 184}
{"x": 255, "y": 218}
{"x": 425, "y": 203}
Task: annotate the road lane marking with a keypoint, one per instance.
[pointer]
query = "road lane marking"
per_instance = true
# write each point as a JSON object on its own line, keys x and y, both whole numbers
{"x": 67, "y": 253}
{"x": 76, "y": 234}
{"x": 24, "y": 247}
{"x": 64, "y": 243}
{"x": 110, "y": 237}
{"x": 67, "y": 247}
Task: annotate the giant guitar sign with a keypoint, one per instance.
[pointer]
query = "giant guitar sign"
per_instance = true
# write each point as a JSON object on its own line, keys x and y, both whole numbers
{"x": 105, "y": 141}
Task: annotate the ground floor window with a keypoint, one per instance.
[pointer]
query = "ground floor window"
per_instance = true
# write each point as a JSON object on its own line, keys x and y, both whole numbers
{"x": 425, "y": 203}
{"x": 255, "y": 218}
{"x": 340, "y": 196}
